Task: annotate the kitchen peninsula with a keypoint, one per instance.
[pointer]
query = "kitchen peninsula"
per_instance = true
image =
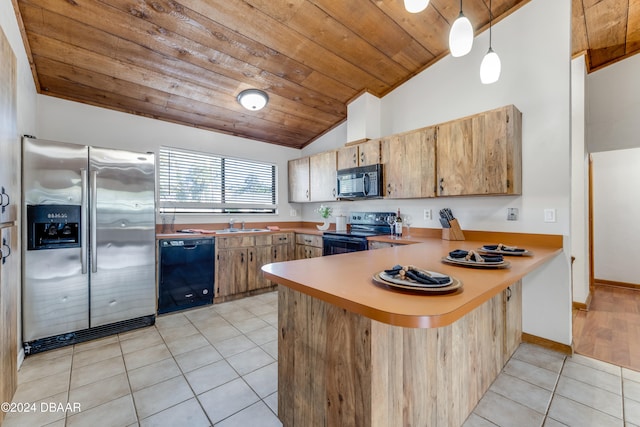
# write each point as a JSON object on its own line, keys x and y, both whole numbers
{"x": 351, "y": 352}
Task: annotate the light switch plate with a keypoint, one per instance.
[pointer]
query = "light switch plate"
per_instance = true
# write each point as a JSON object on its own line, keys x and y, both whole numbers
{"x": 293, "y": 212}
{"x": 549, "y": 215}
{"x": 512, "y": 214}
{"x": 427, "y": 214}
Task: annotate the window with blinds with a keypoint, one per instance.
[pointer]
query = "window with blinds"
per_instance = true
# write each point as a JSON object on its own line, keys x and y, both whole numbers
{"x": 194, "y": 182}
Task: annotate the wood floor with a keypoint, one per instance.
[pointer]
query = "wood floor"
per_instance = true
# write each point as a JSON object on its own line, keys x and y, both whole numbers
{"x": 610, "y": 330}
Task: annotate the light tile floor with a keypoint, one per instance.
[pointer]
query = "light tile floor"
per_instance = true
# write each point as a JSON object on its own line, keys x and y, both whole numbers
{"x": 218, "y": 366}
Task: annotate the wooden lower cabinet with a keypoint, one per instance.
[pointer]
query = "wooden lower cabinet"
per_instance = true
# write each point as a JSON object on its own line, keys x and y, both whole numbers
{"x": 240, "y": 259}
{"x": 231, "y": 271}
{"x": 512, "y": 308}
{"x": 336, "y": 367}
{"x": 308, "y": 246}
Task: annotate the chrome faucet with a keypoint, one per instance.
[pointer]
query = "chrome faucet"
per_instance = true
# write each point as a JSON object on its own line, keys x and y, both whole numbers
{"x": 231, "y": 222}
{"x": 243, "y": 225}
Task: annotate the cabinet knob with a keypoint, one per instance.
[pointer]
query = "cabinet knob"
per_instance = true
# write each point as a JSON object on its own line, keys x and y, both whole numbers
{"x": 334, "y": 192}
{"x": 307, "y": 194}
{"x": 361, "y": 157}
{"x": 389, "y": 189}
{"x": 241, "y": 257}
{"x": 250, "y": 256}
{"x": 441, "y": 184}
{"x": 355, "y": 159}
{"x": 508, "y": 293}
{"x": 275, "y": 253}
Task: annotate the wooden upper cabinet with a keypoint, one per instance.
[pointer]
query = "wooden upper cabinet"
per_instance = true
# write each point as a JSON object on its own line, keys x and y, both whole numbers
{"x": 409, "y": 164}
{"x": 481, "y": 154}
{"x": 322, "y": 176}
{"x": 299, "y": 180}
{"x": 363, "y": 154}
{"x": 348, "y": 157}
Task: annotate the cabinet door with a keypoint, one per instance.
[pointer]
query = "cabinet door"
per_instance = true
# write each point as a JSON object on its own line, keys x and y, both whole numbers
{"x": 512, "y": 300}
{"x": 280, "y": 253}
{"x": 369, "y": 153}
{"x": 258, "y": 256}
{"x": 480, "y": 154}
{"x": 306, "y": 251}
{"x": 322, "y": 176}
{"x": 348, "y": 157}
{"x": 409, "y": 161}
{"x": 458, "y": 156}
{"x": 418, "y": 165}
{"x": 232, "y": 271}
{"x": 502, "y": 157}
{"x": 392, "y": 158}
{"x": 299, "y": 180}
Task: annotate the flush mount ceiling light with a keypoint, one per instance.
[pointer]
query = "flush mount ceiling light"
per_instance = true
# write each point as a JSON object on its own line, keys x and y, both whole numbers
{"x": 415, "y": 6}
{"x": 490, "y": 66}
{"x": 253, "y": 99}
{"x": 461, "y": 35}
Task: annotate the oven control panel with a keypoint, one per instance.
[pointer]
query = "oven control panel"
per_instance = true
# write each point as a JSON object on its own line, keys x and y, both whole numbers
{"x": 370, "y": 218}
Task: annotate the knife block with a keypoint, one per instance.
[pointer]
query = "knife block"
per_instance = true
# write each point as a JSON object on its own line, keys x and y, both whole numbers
{"x": 454, "y": 232}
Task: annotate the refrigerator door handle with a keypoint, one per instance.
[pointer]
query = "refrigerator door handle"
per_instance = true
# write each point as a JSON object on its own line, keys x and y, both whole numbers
{"x": 83, "y": 220}
{"x": 92, "y": 220}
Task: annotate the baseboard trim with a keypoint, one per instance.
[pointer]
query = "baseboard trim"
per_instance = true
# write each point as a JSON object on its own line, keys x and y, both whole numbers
{"x": 551, "y": 345}
{"x": 618, "y": 284}
{"x": 584, "y": 306}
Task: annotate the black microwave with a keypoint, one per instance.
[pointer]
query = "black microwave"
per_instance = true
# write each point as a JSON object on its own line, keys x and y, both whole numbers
{"x": 360, "y": 182}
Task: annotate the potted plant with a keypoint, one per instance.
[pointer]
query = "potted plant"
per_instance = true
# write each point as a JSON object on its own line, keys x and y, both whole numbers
{"x": 325, "y": 213}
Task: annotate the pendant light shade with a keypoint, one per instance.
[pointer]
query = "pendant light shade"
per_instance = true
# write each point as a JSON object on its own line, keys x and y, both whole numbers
{"x": 491, "y": 66}
{"x": 461, "y": 35}
{"x": 253, "y": 99}
{"x": 415, "y": 6}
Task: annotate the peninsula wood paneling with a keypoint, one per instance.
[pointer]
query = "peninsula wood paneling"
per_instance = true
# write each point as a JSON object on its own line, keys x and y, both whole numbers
{"x": 340, "y": 368}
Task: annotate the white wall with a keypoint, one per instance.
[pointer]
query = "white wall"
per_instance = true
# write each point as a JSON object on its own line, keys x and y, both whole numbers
{"x": 614, "y": 106}
{"x": 579, "y": 183}
{"x": 67, "y": 121}
{"x": 536, "y": 79}
{"x": 616, "y": 205}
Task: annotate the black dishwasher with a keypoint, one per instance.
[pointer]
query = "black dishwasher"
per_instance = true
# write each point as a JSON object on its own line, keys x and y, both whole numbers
{"x": 186, "y": 275}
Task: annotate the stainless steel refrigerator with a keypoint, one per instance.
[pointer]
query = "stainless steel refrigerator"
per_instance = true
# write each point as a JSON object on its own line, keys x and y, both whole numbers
{"x": 89, "y": 242}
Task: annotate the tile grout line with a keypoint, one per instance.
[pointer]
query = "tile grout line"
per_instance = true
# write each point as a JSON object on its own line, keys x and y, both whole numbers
{"x": 553, "y": 392}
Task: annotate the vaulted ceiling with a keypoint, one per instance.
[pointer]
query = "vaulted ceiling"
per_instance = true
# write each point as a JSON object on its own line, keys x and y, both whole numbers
{"x": 185, "y": 61}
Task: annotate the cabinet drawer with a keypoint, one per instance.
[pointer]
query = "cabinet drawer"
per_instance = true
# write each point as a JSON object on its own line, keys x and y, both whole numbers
{"x": 264, "y": 240}
{"x": 309, "y": 240}
{"x": 282, "y": 238}
{"x": 235, "y": 242}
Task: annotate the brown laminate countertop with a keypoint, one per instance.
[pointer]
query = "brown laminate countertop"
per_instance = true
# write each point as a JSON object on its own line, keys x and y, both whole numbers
{"x": 346, "y": 280}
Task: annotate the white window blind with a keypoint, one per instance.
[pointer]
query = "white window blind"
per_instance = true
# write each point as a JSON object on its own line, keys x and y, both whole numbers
{"x": 197, "y": 182}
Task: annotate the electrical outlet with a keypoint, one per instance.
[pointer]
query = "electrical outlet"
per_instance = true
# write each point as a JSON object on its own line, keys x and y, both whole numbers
{"x": 427, "y": 214}
{"x": 512, "y": 214}
{"x": 293, "y": 212}
{"x": 549, "y": 215}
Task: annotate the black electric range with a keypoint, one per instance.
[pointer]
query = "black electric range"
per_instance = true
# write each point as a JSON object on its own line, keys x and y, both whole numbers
{"x": 363, "y": 225}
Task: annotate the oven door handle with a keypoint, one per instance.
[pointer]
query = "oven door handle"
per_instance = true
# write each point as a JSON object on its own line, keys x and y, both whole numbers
{"x": 345, "y": 239}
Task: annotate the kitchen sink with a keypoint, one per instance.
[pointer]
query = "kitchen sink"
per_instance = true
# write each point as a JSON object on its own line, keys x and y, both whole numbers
{"x": 240, "y": 230}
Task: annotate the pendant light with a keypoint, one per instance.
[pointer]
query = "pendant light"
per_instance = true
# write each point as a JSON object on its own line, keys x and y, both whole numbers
{"x": 490, "y": 67}
{"x": 415, "y": 6}
{"x": 253, "y": 99}
{"x": 461, "y": 35}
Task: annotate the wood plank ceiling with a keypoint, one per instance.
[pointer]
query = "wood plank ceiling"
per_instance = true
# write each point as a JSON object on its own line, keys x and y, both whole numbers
{"x": 185, "y": 61}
